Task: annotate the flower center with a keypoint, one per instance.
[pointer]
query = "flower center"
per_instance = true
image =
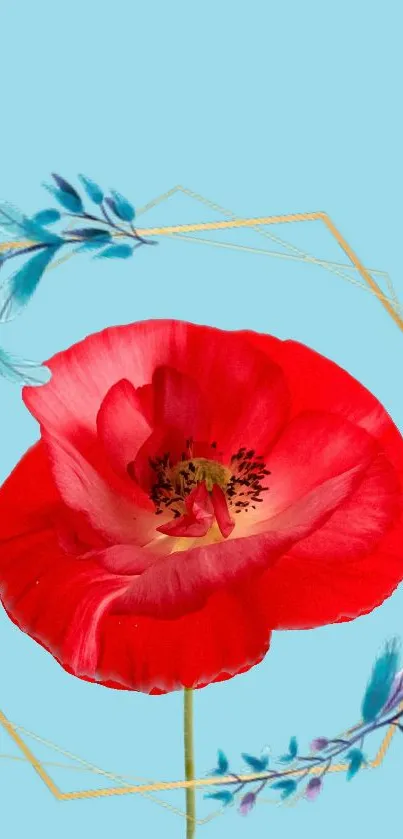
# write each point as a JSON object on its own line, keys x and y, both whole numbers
{"x": 240, "y": 484}
{"x": 186, "y": 473}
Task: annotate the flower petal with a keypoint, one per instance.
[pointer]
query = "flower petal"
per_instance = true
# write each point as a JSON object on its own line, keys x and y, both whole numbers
{"x": 224, "y": 638}
{"x": 122, "y": 427}
{"x": 314, "y": 447}
{"x": 183, "y": 580}
{"x": 301, "y": 592}
{"x": 244, "y": 389}
{"x": 179, "y": 404}
{"x": 67, "y": 605}
{"x": 198, "y": 518}
{"x": 29, "y": 498}
{"x": 318, "y": 384}
{"x": 221, "y": 511}
{"x": 360, "y": 522}
{"x": 83, "y": 490}
{"x": 122, "y": 559}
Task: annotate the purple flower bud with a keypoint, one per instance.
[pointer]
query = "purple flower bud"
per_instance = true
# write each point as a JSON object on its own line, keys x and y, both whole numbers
{"x": 247, "y": 803}
{"x": 318, "y": 744}
{"x": 313, "y": 789}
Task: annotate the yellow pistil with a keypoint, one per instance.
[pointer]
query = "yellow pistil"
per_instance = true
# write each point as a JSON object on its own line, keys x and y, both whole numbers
{"x": 200, "y": 469}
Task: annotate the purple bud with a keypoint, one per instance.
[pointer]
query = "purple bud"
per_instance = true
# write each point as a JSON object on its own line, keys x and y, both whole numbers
{"x": 247, "y": 803}
{"x": 318, "y": 744}
{"x": 313, "y": 789}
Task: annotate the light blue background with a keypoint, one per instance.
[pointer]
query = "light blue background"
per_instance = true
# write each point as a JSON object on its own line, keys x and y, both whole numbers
{"x": 266, "y": 108}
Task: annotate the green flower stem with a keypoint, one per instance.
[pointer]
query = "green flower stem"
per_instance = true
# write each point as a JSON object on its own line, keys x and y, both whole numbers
{"x": 189, "y": 763}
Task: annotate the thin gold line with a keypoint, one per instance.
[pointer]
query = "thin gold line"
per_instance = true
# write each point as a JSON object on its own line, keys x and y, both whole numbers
{"x": 112, "y": 776}
{"x": 266, "y": 234}
{"x": 96, "y": 770}
{"x": 263, "y": 220}
{"x": 331, "y": 266}
{"x": 360, "y": 267}
{"x": 230, "y": 224}
{"x": 93, "y": 770}
{"x": 36, "y": 765}
{"x": 158, "y": 200}
{"x": 58, "y": 765}
{"x": 159, "y": 786}
{"x": 207, "y": 225}
{"x": 255, "y": 224}
{"x": 302, "y": 255}
{"x": 321, "y": 262}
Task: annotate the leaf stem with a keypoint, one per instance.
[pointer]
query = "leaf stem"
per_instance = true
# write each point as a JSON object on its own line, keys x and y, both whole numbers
{"x": 22, "y": 251}
{"x": 189, "y": 762}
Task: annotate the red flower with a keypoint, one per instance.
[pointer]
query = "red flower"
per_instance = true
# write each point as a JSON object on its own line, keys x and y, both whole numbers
{"x": 192, "y": 490}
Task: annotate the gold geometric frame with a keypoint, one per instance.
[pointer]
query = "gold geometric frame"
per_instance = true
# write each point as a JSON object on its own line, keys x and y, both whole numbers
{"x": 37, "y": 765}
{"x": 183, "y": 231}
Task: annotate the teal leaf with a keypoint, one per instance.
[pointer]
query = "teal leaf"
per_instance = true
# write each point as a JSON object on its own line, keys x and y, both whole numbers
{"x": 22, "y": 371}
{"x": 17, "y": 290}
{"x": 122, "y": 207}
{"x": 381, "y": 682}
{"x": 287, "y": 787}
{"x": 92, "y": 189}
{"x": 15, "y": 223}
{"x": 258, "y": 764}
{"x": 46, "y": 217}
{"x": 65, "y": 186}
{"x": 91, "y": 245}
{"x": 71, "y": 202}
{"x": 225, "y": 796}
{"x": 356, "y": 759}
{"x": 222, "y": 764}
{"x": 91, "y": 233}
{"x": 292, "y": 751}
{"x": 116, "y": 251}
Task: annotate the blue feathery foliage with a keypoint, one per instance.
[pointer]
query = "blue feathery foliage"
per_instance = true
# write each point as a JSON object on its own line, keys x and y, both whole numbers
{"x": 116, "y": 251}
{"x": 17, "y": 289}
{"x": 225, "y": 796}
{"x": 356, "y": 760}
{"x": 287, "y": 787}
{"x": 381, "y": 681}
{"x": 15, "y": 223}
{"x": 91, "y": 233}
{"x": 70, "y": 202}
{"x": 292, "y": 751}
{"x": 65, "y": 194}
{"x": 222, "y": 764}
{"x": 258, "y": 764}
{"x": 46, "y": 217}
{"x": 92, "y": 189}
{"x": 121, "y": 207}
{"x": 22, "y": 371}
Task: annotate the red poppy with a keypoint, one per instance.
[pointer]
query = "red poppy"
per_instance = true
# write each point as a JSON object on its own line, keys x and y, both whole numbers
{"x": 192, "y": 490}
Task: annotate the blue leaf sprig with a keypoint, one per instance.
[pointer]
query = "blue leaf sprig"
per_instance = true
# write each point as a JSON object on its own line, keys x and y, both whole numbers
{"x": 108, "y": 232}
{"x": 381, "y": 707}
